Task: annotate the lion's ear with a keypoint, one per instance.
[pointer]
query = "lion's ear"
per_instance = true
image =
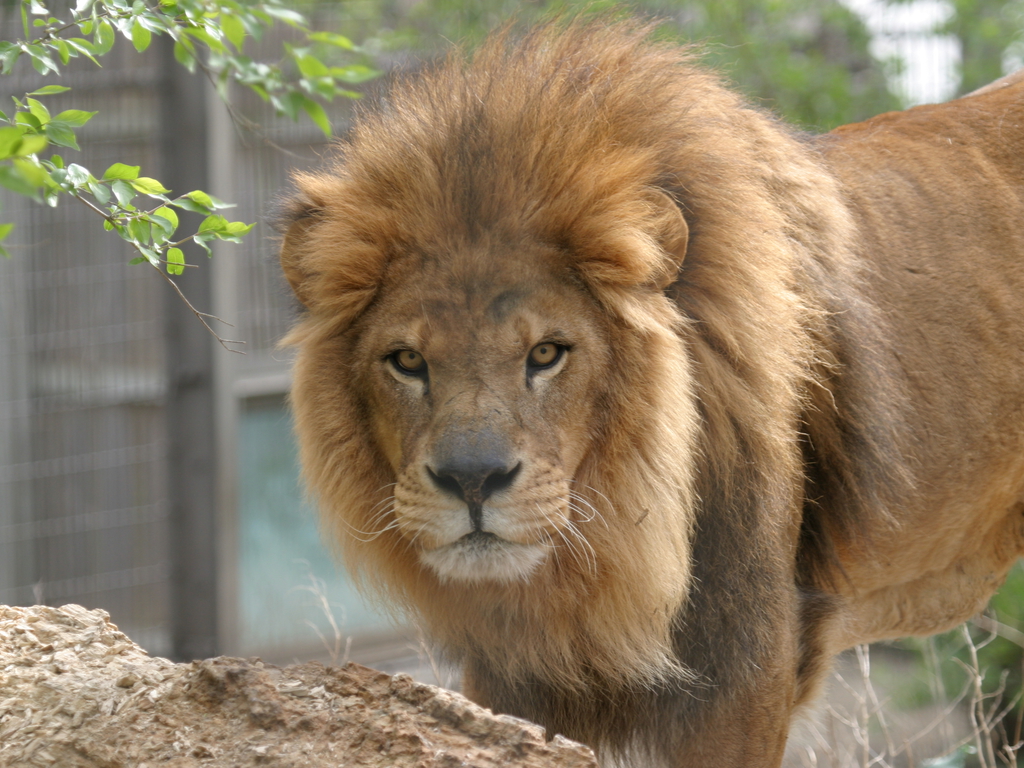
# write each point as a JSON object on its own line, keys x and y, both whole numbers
{"x": 295, "y": 220}
{"x": 672, "y": 233}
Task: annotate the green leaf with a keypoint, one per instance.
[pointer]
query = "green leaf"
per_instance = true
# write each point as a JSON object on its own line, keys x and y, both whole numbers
{"x": 318, "y": 115}
{"x": 104, "y": 38}
{"x": 13, "y": 181}
{"x": 169, "y": 215}
{"x": 85, "y": 48}
{"x": 201, "y": 198}
{"x": 234, "y": 29}
{"x": 49, "y": 90}
{"x": 38, "y": 9}
{"x": 26, "y": 118}
{"x": 202, "y": 242}
{"x": 213, "y": 223}
{"x": 175, "y": 261}
{"x": 10, "y": 141}
{"x": 330, "y": 38}
{"x": 100, "y": 191}
{"x": 31, "y": 144}
{"x": 75, "y": 118}
{"x": 64, "y": 50}
{"x": 22, "y": 177}
{"x": 213, "y": 42}
{"x": 148, "y": 186}
{"x": 187, "y": 205}
{"x": 311, "y": 66}
{"x": 41, "y": 113}
{"x": 161, "y": 228}
{"x": 77, "y": 175}
{"x": 123, "y": 192}
{"x": 238, "y": 228}
{"x": 31, "y": 171}
{"x": 61, "y": 134}
{"x": 139, "y": 231}
{"x": 8, "y": 57}
{"x": 288, "y": 17}
{"x": 41, "y": 60}
{"x": 5, "y": 230}
{"x": 137, "y": 259}
{"x": 121, "y": 171}
{"x": 57, "y": 161}
{"x": 152, "y": 256}
{"x": 290, "y": 104}
{"x": 152, "y": 21}
{"x": 198, "y": 201}
{"x": 356, "y": 73}
{"x": 141, "y": 37}
{"x": 185, "y": 55}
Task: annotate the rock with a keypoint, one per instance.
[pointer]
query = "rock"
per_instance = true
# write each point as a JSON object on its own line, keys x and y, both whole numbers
{"x": 77, "y": 693}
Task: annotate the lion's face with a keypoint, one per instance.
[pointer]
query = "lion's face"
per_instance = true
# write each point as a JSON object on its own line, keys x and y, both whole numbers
{"x": 479, "y": 372}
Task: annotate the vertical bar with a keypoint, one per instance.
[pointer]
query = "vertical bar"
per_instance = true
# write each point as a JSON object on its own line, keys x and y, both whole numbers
{"x": 17, "y": 566}
{"x": 221, "y": 160}
{"x": 192, "y": 452}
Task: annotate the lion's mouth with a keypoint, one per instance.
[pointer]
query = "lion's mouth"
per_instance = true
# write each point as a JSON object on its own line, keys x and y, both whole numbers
{"x": 483, "y": 556}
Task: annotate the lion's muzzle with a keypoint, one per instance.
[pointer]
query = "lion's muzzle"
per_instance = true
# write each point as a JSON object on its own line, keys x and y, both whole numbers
{"x": 472, "y": 466}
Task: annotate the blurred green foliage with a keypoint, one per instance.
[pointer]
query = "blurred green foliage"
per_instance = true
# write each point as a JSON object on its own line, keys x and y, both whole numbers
{"x": 808, "y": 60}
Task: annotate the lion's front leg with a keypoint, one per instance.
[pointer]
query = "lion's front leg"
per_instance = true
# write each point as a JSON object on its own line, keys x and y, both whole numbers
{"x": 750, "y": 669}
{"x": 673, "y": 728}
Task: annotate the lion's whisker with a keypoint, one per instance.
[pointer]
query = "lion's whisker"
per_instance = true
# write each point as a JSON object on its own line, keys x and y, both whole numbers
{"x": 579, "y": 496}
{"x": 580, "y": 549}
{"x": 374, "y": 532}
{"x": 586, "y": 515}
{"x": 587, "y": 547}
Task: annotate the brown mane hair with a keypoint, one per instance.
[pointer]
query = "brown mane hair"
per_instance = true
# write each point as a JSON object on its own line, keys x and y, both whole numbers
{"x": 702, "y": 490}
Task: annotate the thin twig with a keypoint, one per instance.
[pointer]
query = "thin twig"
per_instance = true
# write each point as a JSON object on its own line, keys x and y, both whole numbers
{"x": 202, "y": 315}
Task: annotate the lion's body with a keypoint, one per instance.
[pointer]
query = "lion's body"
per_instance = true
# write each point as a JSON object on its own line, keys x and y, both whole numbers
{"x": 645, "y": 407}
{"x": 939, "y": 196}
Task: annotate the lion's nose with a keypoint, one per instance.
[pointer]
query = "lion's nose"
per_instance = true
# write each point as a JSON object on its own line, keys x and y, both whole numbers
{"x": 474, "y": 479}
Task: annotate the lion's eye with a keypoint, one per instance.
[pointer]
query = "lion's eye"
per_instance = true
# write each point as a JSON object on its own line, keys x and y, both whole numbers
{"x": 545, "y": 355}
{"x": 409, "y": 362}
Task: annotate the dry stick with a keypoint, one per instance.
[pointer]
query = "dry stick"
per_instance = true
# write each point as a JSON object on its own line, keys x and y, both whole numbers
{"x": 318, "y": 588}
{"x": 201, "y": 315}
{"x": 876, "y": 706}
{"x": 938, "y": 690}
{"x": 423, "y": 651}
{"x": 996, "y": 627}
{"x": 978, "y": 719}
{"x": 943, "y": 719}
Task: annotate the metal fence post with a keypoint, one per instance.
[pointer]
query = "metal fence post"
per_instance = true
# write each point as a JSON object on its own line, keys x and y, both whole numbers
{"x": 192, "y": 454}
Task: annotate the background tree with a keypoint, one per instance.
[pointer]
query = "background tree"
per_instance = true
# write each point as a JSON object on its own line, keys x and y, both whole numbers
{"x": 806, "y": 59}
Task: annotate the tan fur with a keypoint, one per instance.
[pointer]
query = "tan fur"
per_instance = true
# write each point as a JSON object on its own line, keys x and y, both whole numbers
{"x": 788, "y": 417}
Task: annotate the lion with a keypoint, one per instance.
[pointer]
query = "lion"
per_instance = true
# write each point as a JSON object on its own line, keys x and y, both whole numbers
{"x": 645, "y": 405}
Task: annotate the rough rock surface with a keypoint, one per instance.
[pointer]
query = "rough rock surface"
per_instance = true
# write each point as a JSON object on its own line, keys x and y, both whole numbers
{"x": 77, "y": 693}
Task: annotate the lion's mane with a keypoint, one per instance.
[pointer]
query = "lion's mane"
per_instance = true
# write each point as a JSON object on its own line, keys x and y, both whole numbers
{"x": 697, "y": 472}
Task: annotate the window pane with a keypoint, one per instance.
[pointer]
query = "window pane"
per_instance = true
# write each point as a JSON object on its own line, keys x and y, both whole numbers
{"x": 281, "y": 556}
